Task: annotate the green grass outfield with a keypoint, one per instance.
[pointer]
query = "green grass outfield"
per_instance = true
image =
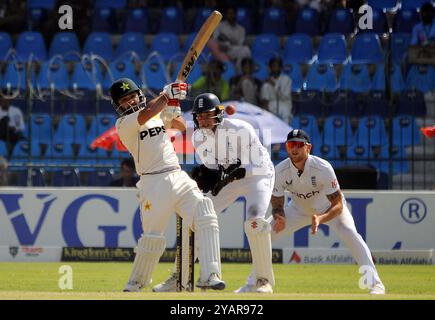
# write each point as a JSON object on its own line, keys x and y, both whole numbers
{"x": 106, "y": 281}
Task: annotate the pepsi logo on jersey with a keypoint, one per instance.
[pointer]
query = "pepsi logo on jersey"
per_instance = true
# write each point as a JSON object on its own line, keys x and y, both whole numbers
{"x": 151, "y": 132}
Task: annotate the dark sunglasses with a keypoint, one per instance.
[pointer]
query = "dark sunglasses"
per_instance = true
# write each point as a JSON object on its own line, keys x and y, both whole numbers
{"x": 297, "y": 144}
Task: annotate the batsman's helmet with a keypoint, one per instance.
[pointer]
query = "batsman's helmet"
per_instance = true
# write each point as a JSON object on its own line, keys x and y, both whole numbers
{"x": 121, "y": 88}
{"x": 207, "y": 102}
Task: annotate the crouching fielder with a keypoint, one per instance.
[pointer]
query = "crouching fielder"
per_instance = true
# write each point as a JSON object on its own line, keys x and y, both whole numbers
{"x": 163, "y": 187}
{"x": 235, "y": 164}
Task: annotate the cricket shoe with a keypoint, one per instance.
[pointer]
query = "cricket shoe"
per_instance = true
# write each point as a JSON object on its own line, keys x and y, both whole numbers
{"x": 213, "y": 282}
{"x": 132, "y": 287}
{"x": 378, "y": 288}
{"x": 170, "y": 285}
{"x": 246, "y": 288}
{"x": 263, "y": 286}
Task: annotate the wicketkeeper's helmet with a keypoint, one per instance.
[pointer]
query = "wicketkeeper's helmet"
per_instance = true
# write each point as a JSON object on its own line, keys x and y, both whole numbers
{"x": 121, "y": 88}
{"x": 207, "y": 102}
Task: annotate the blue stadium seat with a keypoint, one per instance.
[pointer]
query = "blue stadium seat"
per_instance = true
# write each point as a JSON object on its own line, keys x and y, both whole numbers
{"x": 86, "y": 76}
{"x": 344, "y": 102}
{"x": 400, "y": 162}
{"x": 405, "y": 20}
{"x": 66, "y": 178}
{"x": 99, "y": 178}
{"x": 379, "y": 23}
{"x": 244, "y": 18}
{"x": 341, "y": 21}
{"x": 321, "y": 77}
{"x": 171, "y": 20}
{"x": 14, "y": 77}
{"x": 132, "y": 43}
{"x": 261, "y": 70}
{"x": 35, "y": 18}
{"x": 308, "y": 21}
{"x": 5, "y": 45}
{"x": 355, "y": 77}
{"x": 46, "y": 4}
{"x": 265, "y": 47}
{"x": 166, "y": 45}
{"x": 22, "y": 150}
{"x": 37, "y": 177}
{"x": 41, "y": 128}
{"x": 90, "y": 157}
{"x": 30, "y": 44}
{"x": 53, "y": 73}
{"x": 377, "y": 104}
{"x": 330, "y": 151}
{"x": 367, "y": 49}
{"x": 308, "y": 123}
{"x": 421, "y": 77}
{"x": 99, "y": 43}
{"x": 308, "y": 103}
{"x": 399, "y": 43}
{"x": 358, "y": 154}
{"x": 3, "y": 149}
{"x": 294, "y": 72}
{"x": 137, "y": 20}
{"x": 413, "y": 4}
{"x": 411, "y": 102}
{"x": 99, "y": 124}
{"x": 67, "y": 45}
{"x": 298, "y": 49}
{"x": 378, "y": 81}
{"x": 397, "y": 81}
{"x": 58, "y": 154}
{"x": 71, "y": 129}
{"x": 104, "y": 20}
{"x": 154, "y": 73}
{"x": 229, "y": 70}
{"x": 119, "y": 69}
{"x": 382, "y": 4}
{"x": 115, "y": 4}
{"x": 337, "y": 130}
{"x": 275, "y": 21}
{"x": 371, "y": 131}
{"x": 332, "y": 49}
{"x": 201, "y": 15}
{"x": 405, "y": 131}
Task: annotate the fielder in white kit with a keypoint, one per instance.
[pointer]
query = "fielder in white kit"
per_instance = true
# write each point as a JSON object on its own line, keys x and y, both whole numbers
{"x": 235, "y": 164}
{"x": 163, "y": 187}
{"x": 315, "y": 199}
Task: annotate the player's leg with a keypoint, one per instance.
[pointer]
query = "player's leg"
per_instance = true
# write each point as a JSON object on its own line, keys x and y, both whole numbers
{"x": 155, "y": 214}
{"x": 344, "y": 226}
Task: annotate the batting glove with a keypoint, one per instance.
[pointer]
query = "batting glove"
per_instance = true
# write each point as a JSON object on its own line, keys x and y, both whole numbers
{"x": 176, "y": 90}
{"x": 171, "y": 112}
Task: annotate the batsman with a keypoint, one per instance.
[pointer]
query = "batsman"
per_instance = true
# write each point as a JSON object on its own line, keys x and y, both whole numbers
{"x": 163, "y": 187}
{"x": 234, "y": 164}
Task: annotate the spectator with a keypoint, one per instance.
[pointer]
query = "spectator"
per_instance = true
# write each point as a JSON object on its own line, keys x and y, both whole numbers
{"x": 276, "y": 91}
{"x": 128, "y": 177}
{"x": 213, "y": 82}
{"x": 3, "y": 172}
{"x": 11, "y": 123}
{"x": 246, "y": 87}
{"x": 423, "y": 33}
{"x": 228, "y": 41}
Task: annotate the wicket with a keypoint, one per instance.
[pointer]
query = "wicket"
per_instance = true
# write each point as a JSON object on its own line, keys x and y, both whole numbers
{"x": 179, "y": 255}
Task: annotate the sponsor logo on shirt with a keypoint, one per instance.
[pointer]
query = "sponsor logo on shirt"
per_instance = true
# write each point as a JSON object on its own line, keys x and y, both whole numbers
{"x": 151, "y": 132}
{"x": 306, "y": 195}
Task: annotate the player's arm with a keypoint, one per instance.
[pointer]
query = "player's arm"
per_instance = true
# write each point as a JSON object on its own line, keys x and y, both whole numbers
{"x": 179, "y": 123}
{"x": 333, "y": 211}
{"x": 278, "y": 213}
{"x": 175, "y": 90}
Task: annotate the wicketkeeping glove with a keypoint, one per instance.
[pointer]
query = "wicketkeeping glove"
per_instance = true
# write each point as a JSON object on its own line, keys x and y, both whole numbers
{"x": 176, "y": 90}
{"x": 206, "y": 178}
{"x": 235, "y": 174}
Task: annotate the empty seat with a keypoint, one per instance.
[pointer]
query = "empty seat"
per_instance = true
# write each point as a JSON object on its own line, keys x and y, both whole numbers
{"x": 67, "y": 45}
{"x": 66, "y": 178}
{"x": 132, "y": 43}
{"x": 294, "y": 72}
{"x": 99, "y": 43}
{"x": 244, "y": 18}
{"x": 421, "y": 77}
{"x": 86, "y": 76}
{"x": 41, "y": 129}
{"x": 171, "y": 20}
{"x": 5, "y": 45}
{"x": 341, "y": 21}
{"x": 332, "y": 49}
{"x": 405, "y": 20}
{"x": 58, "y": 153}
{"x": 397, "y": 81}
{"x": 31, "y": 45}
{"x": 308, "y": 21}
{"x": 298, "y": 49}
{"x": 399, "y": 43}
{"x": 355, "y": 77}
{"x": 137, "y": 20}
{"x": 371, "y": 131}
{"x": 275, "y": 21}
{"x": 154, "y": 73}
{"x": 53, "y": 74}
{"x": 308, "y": 103}
{"x": 343, "y": 102}
{"x": 378, "y": 81}
{"x": 71, "y": 129}
{"x": 261, "y": 70}
{"x": 166, "y": 45}
{"x": 14, "y": 77}
{"x": 35, "y": 18}
{"x": 337, "y": 130}
{"x": 100, "y": 178}
{"x": 321, "y": 77}
{"x": 104, "y": 20}
{"x": 377, "y": 104}
{"x": 367, "y": 48}
{"x": 411, "y": 102}
{"x": 3, "y": 149}
{"x": 99, "y": 124}
{"x": 120, "y": 69}
{"x": 405, "y": 131}
{"x": 265, "y": 47}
